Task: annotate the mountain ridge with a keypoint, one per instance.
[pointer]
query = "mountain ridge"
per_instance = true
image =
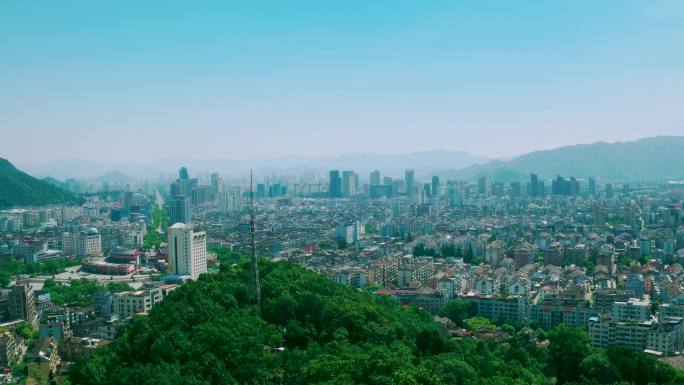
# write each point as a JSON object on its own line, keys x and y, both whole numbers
{"x": 422, "y": 161}
{"x": 646, "y": 159}
{"x": 20, "y": 189}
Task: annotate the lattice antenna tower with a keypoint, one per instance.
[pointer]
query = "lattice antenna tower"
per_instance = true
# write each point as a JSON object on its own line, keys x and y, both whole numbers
{"x": 254, "y": 285}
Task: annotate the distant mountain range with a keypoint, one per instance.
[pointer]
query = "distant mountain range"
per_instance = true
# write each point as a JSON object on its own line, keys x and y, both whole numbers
{"x": 20, "y": 189}
{"x": 649, "y": 159}
{"x": 656, "y": 158}
{"x": 422, "y": 162}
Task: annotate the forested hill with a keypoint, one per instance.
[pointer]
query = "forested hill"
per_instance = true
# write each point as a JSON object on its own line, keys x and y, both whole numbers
{"x": 20, "y": 189}
{"x": 314, "y": 331}
{"x": 649, "y": 159}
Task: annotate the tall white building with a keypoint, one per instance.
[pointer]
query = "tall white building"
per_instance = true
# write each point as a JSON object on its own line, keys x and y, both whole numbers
{"x": 187, "y": 251}
{"x": 349, "y": 183}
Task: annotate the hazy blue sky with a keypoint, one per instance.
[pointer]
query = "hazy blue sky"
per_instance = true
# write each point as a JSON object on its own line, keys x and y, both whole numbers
{"x": 234, "y": 79}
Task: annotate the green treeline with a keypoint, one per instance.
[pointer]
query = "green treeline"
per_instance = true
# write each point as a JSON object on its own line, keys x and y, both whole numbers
{"x": 79, "y": 292}
{"x": 12, "y": 267}
{"x": 314, "y": 331}
{"x": 159, "y": 222}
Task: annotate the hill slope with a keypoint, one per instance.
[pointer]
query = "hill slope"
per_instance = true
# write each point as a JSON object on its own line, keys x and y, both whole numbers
{"x": 657, "y": 158}
{"x": 312, "y": 330}
{"x": 20, "y": 189}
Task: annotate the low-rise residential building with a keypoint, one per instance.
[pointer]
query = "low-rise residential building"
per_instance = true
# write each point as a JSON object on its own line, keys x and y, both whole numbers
{"x": 130, "y": 303}
{"x": 511, "y": 309}
{"x": 632, "y": 310}
{"x": 665, "y": 338}
{"x": 8, "y": 349}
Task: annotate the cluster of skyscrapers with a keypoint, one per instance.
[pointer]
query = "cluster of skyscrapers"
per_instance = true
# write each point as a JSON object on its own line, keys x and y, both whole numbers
{"x": 187, "y": 248}
{"x": 186, "y": 192}
{"x": 347, "y": 184}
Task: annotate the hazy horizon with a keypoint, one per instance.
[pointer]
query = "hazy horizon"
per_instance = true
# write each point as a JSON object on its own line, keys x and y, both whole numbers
{"x": 106, "y": 82}
{"x": 314, "y": 156}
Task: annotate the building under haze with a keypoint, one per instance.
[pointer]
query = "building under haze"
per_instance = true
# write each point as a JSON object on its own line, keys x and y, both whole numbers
{"x": 435, "y": 186}
{"x": 375, "y": 178}
{"x": 187, "y": 251}
{"x": 335, "y": 188}
{"x": 215, "y": 185}
{"x": 535, "y": 187}
{"x": 349, "y": 181}
{"x": 592, "y": 186}
{"x": 410, "y": 181}
{"x": 180, "y": 210}
{"x": 482, "y": 185}
{"x": 183, "y": 174}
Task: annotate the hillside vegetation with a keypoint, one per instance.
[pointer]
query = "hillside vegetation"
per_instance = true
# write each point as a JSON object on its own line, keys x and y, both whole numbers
{"x": 657, "y": 158}
{"x": 314, "y": 331}
{"x": 20, "y": 189}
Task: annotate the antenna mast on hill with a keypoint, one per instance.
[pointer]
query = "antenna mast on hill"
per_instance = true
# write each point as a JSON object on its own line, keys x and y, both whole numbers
{"x": 254, "y": 285}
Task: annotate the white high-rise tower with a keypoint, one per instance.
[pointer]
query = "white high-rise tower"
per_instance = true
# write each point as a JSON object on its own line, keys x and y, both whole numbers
{"x": 187, "y": 251}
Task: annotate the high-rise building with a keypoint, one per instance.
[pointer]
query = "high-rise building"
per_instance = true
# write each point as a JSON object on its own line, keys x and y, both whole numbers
{"x": 277, "y": 190}
{"x": 592, "y": 186}
{"x": 561, "y": 186}
{"x": 183, "y": 185}
{"x": 410, "y": 180}
{"x": 375, "y": 178}
{"x": 180, "y": 210}
{"x": 335, "y": 189}
{"x": 215, "y": 185}
{"x": 672, "y": 216}
{"x": 515, "y": 189}
{"x": 558, "y": 186}
{"x": 200, "y": 194}
{"x": 574, "y": 187}
{"x": 532, "y": 185}
{"x": 187, "y": 250}
{"x": 609, "y": 190}
{"x": 128, "y": 199}
{"x": 482, "y": 185}
{"x": 435, "y": 186}
{"x": 183, "y": 174}
{"x": 454, "y": 193}
{"x": 535, "y": 188}
{"x": 386, "y": 189}
{"x": 498, "y": 189}
{"x": 21, "y": 303}
{"x": 427, "y": 190}
{"x": 231, "y": 201}
{"x": 261, "y": 191}
{"x": 541, "y": 189}
{"x": 348, "y": 183}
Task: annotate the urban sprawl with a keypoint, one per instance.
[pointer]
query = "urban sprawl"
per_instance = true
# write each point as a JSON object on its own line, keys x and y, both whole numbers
{"x": 603, "y": 256}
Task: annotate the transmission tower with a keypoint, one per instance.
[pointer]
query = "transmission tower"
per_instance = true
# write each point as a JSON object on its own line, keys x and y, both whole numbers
{"x": 254, "y": 285}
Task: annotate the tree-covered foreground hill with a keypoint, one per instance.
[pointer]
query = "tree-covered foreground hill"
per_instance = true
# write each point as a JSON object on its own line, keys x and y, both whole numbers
{"x": 314, "y": 331}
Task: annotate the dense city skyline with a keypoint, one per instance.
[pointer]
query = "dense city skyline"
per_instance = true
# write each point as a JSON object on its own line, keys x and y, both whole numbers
{"x": 386, "y": 192}
{"x": 243, "y": 80}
